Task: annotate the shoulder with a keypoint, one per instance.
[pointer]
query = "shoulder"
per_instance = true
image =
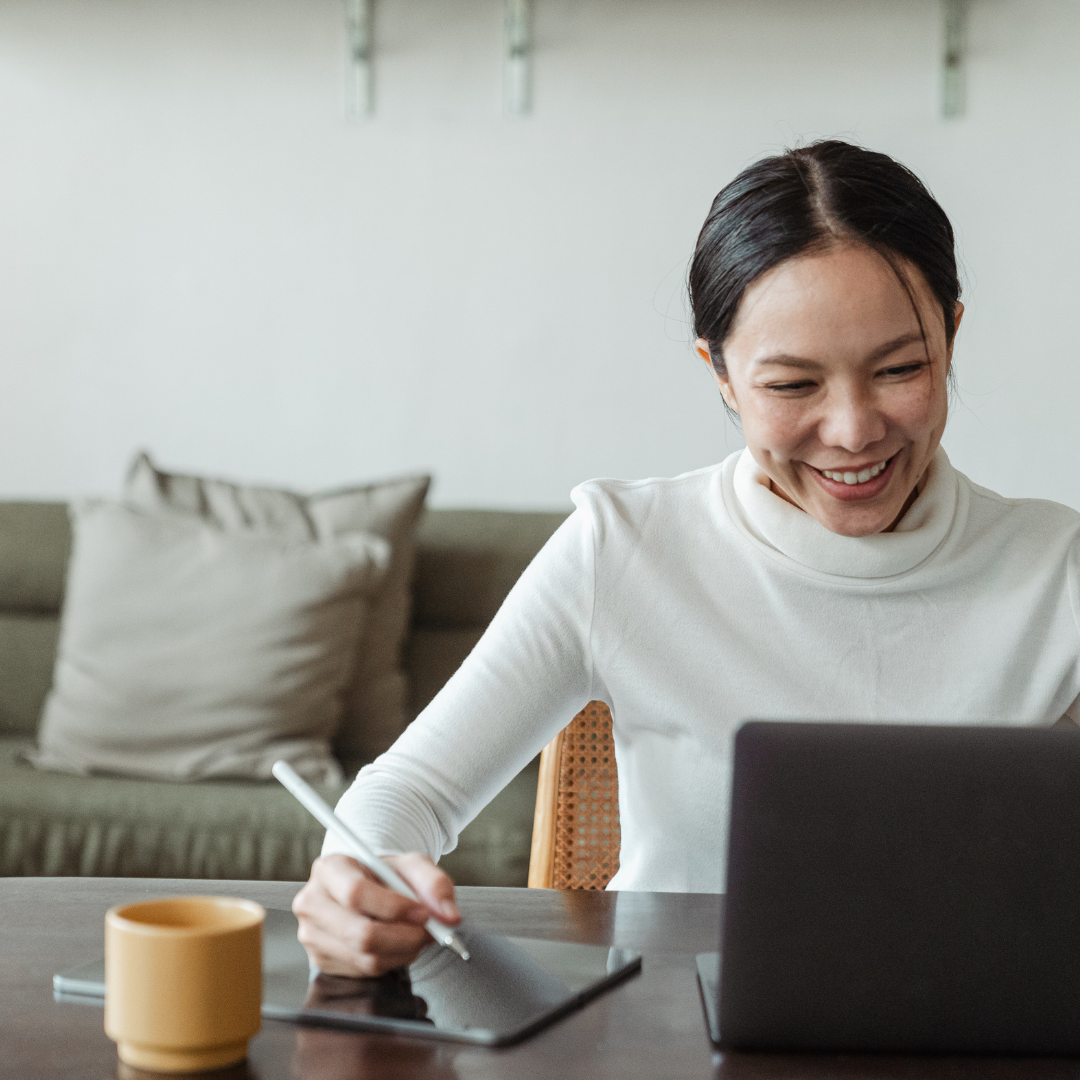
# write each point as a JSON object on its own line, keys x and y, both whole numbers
{"x": 642, "y": 505}
{"x": 1028, "y": 521}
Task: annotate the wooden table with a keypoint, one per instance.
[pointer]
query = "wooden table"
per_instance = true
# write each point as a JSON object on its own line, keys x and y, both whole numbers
{"x": 650, "y": 1026}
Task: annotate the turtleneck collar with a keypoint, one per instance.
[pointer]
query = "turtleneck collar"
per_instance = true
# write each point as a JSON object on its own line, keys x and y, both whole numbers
{"x": 796, "y": 536}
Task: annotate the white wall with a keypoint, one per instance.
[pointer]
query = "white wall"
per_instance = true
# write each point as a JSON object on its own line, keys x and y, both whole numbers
{"x": 199, "y": 255}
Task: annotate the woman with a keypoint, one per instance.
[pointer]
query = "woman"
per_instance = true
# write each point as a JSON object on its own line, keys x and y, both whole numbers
{"x": 839, "y": 567}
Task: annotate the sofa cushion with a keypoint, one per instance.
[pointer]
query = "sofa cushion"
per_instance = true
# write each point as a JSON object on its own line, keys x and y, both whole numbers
{"x": 493, "y": 849}
{"x": 468, "y": 560}
{"x": 53, "y": 824}
{"x": 188, "y": 652}
{"x": 374, "y": 709}
{"x": 27, "y": 655}
{"x": 431, "y": 657}
{"x": 35, "y": 541}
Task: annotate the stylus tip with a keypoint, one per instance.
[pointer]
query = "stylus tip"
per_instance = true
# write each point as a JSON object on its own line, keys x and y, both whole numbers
{"x": 455, "y": 943}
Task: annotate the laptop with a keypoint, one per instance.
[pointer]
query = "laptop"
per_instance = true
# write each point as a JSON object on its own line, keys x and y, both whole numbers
{"x": 900, "y": 888}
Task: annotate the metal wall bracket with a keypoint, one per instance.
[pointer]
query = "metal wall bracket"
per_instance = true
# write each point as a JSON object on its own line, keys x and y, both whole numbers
{"x": 517, "y": 79}
{"x": 360, "y": 72}
{"x": 953, "y": 57}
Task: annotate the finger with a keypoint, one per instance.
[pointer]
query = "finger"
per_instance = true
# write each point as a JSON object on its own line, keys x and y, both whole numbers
{"x": 327, "y": 954}
{"x": 432, "y": 885}
{"x": 355, "y": 887}
{"x": 341, "y": 941}
{"x": 370, "y": 948}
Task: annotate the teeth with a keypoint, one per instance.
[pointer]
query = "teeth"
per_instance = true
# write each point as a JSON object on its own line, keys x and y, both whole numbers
{"x": 855, "y": 478}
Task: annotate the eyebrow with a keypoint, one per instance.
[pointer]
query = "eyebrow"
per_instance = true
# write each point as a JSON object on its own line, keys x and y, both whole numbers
{"x": 787, "y": 360}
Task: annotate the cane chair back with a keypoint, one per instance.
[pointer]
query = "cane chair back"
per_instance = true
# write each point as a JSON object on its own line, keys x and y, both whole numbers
{"x": 576, "y": 836}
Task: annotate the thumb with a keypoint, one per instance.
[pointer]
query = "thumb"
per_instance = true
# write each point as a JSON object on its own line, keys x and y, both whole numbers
{"x": 432, "y": 886}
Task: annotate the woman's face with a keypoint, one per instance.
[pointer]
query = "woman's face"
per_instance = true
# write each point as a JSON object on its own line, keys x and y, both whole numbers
{"x": 841, "y": 401}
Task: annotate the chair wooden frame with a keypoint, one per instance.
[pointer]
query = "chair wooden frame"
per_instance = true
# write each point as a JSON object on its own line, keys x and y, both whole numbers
{"x": 542, "y": 856}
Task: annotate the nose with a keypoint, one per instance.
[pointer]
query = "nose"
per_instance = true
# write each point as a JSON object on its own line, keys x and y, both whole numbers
{"x": 852, "y": 422}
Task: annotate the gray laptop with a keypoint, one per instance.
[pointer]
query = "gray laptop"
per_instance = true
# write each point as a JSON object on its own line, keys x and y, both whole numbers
{"x": 903, "y": 888}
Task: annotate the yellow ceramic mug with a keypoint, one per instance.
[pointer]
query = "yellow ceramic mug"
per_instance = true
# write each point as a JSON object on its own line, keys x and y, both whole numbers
{"x": 183, "y": 981}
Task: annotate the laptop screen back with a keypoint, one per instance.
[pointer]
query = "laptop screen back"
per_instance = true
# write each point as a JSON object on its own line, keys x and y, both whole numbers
{"x": 904, "y": 888}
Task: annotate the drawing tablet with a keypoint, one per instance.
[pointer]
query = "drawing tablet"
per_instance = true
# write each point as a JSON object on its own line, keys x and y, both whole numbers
{"x": 509, "y": 989}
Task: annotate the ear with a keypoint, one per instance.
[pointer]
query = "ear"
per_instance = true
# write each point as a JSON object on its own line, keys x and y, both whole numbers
{"x": 701, "y": 347}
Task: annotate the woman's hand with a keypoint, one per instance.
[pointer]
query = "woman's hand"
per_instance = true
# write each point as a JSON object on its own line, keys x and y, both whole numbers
{"x": 352, "y": 924}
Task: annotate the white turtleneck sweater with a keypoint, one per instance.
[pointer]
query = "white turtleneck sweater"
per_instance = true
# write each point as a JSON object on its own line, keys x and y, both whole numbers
{"x": 692, "y": 604}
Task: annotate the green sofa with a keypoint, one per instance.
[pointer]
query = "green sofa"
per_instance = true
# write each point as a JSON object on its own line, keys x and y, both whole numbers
{"x": 54, "y": 824}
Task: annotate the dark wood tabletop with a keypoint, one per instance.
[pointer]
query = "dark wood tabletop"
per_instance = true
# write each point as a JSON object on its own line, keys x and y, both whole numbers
{"x": 650, "y": 1026}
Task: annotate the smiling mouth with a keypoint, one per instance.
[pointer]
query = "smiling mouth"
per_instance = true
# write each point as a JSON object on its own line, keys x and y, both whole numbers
{"x": 859, "y": 484}
{"x": 861, "y": 477}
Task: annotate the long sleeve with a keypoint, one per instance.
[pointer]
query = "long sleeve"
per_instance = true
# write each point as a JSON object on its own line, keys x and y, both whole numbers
{"x": 527, "y": 677}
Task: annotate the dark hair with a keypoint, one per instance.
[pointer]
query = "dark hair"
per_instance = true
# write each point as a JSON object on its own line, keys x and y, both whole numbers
{"x": 812, "y": 197}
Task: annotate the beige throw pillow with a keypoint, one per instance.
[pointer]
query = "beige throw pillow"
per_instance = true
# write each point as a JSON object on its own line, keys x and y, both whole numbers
{"x": 189, "y": 652}
{"x": 374, "y": 713}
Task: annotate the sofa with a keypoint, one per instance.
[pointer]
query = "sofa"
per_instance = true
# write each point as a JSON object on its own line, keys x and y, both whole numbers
{"x": 59, "y": 824}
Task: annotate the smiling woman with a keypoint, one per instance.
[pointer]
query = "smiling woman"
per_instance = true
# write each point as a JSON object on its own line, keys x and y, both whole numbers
{"x": 837, "y": 568}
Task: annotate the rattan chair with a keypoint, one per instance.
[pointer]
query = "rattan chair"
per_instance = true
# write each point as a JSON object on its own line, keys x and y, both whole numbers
{"x": 576, "y": 839}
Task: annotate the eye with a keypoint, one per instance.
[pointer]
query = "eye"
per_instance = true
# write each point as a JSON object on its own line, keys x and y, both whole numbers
{"x": 899, "y": 371}
{"x": 791, "y": 387}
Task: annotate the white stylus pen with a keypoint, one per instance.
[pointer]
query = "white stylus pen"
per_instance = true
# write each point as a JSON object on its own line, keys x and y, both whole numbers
{"x": 315, "y": 805}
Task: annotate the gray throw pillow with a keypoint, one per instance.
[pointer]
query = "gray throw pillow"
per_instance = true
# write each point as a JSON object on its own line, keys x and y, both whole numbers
{"x": 374, "y": 711}
{"x": 188, "y": 652}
